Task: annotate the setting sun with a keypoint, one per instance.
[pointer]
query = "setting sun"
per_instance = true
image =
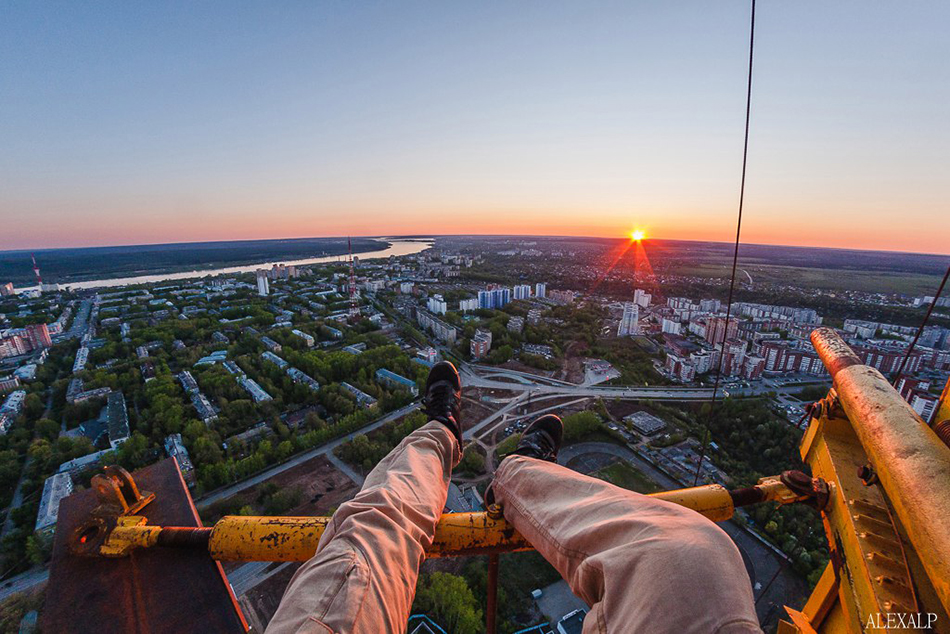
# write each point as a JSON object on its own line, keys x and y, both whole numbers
{"x": 637, "y": 235}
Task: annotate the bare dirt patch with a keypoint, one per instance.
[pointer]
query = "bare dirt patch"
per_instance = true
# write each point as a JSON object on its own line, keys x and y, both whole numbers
{"x": 322, "y": 488}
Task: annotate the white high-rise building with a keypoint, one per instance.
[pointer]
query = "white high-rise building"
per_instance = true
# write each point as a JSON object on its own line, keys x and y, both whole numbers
{"x": 628, "y": 323}
{"x": 466, "y": 305}
{"x": 437, "y": 305}
{"x": 540, "y": 289}
{"x": 641, "y": 298}
{"x": 671, "y": 327}
{"x": 522, "y": 291}
{"x": 263, "y": 287}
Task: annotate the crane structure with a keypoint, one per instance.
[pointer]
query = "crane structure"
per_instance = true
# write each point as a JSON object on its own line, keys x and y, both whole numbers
{"x": 880, "y": 478}
{"x": 36, "y": 272}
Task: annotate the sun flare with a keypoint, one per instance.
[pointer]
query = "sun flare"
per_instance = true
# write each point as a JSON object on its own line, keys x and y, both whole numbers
{"x": 637, "y": 235}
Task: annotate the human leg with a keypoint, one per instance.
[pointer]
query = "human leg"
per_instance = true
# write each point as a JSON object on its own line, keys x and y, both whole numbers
{"x": 643, "y": 565}
{"x": 363, "y": 575}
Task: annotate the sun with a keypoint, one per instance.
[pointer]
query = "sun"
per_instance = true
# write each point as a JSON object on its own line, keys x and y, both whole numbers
{"x": 637, "y": 235}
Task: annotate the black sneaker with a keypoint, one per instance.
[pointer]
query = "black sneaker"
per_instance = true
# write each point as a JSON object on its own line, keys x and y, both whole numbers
{"x": 542, "y": 439}
{"x": 443, "y": 397}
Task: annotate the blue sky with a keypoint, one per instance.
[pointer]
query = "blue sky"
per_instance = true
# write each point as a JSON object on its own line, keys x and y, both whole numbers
{"x": 126, "y": 124}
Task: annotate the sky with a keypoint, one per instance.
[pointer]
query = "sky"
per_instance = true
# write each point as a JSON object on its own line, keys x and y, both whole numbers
{"x": 134, "y": 123}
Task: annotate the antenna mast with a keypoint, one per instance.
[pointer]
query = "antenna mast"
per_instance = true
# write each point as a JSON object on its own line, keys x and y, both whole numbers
{"x": 354, "y": 303}
{"x": 36, "y": 271}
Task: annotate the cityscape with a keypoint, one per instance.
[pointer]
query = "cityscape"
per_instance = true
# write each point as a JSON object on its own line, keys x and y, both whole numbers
{"x": 278, "y": 390}
{"x": 463, "y": 318}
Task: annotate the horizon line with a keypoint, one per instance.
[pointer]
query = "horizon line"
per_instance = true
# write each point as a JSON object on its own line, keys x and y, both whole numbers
{"x": 457, "y": 235}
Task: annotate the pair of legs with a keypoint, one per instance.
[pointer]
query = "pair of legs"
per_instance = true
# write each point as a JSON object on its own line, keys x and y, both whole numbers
{"x": 643, "y": 565}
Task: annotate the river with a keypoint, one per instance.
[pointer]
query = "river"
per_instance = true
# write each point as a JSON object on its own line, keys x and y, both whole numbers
{"x": 396, "y": 248}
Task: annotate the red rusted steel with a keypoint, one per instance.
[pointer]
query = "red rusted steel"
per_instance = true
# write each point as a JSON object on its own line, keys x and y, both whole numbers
{"x": 151, "y": 590}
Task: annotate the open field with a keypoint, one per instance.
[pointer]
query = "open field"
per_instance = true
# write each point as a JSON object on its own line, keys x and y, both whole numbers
{"x": 627, "y": 476}
{"x": 824, "y": 278}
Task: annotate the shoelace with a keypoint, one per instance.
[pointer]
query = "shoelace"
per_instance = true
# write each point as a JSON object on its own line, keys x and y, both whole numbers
{"x": 539, "y": 444}
{"x": 440, "y": 401}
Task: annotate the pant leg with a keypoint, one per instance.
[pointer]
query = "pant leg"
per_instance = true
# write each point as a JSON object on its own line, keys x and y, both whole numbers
{"x": 643, "y": 565}
{"x": 363, "y": 575}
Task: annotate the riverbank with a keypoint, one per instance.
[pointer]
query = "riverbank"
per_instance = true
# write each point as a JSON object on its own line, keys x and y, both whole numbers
{"x": 368, "y": 249}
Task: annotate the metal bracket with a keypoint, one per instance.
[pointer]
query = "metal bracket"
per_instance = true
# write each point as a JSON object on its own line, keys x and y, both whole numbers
{"x": 816, "y": 490}
{"x": 118, "y": 494}
{"x": 828, "y": 407}
{"x": 119, "y": 501}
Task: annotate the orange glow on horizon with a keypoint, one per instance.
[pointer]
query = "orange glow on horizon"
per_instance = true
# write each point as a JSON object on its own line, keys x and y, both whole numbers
{"x": 637, "y": 235}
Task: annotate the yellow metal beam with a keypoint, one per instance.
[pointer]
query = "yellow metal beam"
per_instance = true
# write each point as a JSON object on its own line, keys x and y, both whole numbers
{"x": 912, "y": 463}
{"x": 247, "y": 538}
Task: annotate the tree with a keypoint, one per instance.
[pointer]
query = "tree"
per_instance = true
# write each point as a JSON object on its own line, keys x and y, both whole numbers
{"x": 37, "y": 551}
{"x": 133, "y": 453}
{"x": 33, "y": 406}
{"x": 450, "y": 602}
{"x": 579, "y": 425}
{"x": 473, "y": 462}
{"x": 46, "y": 428}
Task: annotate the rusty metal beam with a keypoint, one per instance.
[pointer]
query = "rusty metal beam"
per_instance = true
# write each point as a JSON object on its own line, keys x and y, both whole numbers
{"x": 911, "y": 462}
{"x": 148, "y": 590}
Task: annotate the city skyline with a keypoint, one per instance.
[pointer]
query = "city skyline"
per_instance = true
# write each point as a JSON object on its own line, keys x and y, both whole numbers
{"x": 141, "y": 125}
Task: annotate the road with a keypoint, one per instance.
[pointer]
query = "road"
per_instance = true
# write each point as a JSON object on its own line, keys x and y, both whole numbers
{"x": 23, "y": 581}
{"x": 322, "y": 450}
{"x": 17, "y": 499}
{"x": 515, "y": 381}
{"x": 517, "y": 417}
{"x": 253, "y": 573}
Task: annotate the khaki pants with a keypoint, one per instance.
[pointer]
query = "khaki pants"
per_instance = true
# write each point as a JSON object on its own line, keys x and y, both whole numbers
{"x": 643, "y": 565}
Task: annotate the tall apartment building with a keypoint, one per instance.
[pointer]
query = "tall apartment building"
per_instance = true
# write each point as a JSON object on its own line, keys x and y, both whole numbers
{"x": 562, "y": 297}
{"x": 628, "y": 322}
{"x": 790, "y": 356}
{"x": 25, "y": 340}
{"x": 467, "y": 305}
{"x": 480, "y": 344}
{"x": 733, "y": 352}
{"x": 437, "y": 305}
{"x": 718, "y": 328}
{"x": 540, "y": 290}
{"x": 671, "y": 326}
{"x": 641, "y": 298}
{"x": 263, "y": 286}
{"x": 709, "y": 305}
{"x": 522, "y": 291}
{"x": 38, "y": 336}
{"x": 494, "y": 297}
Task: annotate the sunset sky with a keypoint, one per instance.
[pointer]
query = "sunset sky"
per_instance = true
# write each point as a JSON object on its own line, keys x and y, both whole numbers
{"x": 165, "y": 122}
